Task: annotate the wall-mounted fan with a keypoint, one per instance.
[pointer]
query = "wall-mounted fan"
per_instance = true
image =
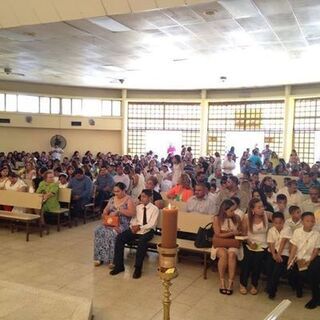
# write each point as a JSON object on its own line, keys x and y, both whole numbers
{"x": 59, "y": 141}
{"x": 8, "y": 71}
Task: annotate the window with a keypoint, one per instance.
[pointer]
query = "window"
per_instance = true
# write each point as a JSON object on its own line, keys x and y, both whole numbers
{"x": 66, "y": 106}
{"x": 11, "y": 102}
{"x": 116, "y": 108}
{"x": 306, "y": 124}
{"x": 91, "y": 107}
{"x": 76, "y": 107}
{"x": 44, "y": 105}
{"x": 163, "y": 116}
{"x": 55, "y": 105}
{"x": 106, "y": 108}
{"x": 266, "y": 116}
{"x": 28, "y": 103}
{"x": 2, "y": 102}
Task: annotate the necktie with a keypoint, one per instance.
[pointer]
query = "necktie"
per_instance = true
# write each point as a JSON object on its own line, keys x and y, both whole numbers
{"x": 144, "y": 216}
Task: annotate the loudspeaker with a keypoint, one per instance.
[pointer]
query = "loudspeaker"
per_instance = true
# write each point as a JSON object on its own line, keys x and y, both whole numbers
{"x": 29, "y": 119}
{"x": 92, "y": 122}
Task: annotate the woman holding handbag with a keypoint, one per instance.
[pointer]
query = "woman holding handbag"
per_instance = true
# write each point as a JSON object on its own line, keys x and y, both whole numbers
{"x": 255, "y": 226}
{"x": 115, "y": 219}
{"x": 226, "y": 226}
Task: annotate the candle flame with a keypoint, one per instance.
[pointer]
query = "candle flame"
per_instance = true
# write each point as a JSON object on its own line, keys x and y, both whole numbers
{"x": 169, "y": 206}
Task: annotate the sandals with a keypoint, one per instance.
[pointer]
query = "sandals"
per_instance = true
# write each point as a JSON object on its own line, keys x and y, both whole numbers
{"x": 222, "y": 289}
{"x": 243, "y": 290}
{"x": 253, "y": 291}
{"x": 230, "y": 288}
{"x": 97, "y": 263}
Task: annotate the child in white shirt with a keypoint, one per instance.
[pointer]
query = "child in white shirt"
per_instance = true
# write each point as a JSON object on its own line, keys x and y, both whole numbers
{"x": 278, "y": 253}
{"x": 304, "y": 258}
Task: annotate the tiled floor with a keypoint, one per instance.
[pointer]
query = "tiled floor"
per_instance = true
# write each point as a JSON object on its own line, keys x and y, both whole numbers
{"x": 62, "y": 262}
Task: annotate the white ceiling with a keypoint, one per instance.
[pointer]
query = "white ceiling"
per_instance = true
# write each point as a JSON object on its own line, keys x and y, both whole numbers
{"x": 250, "y": 42}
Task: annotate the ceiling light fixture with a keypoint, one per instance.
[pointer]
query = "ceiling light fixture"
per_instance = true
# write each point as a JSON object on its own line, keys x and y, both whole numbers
{"x": 210, "y": 12}
{"x": 109, "y": 24}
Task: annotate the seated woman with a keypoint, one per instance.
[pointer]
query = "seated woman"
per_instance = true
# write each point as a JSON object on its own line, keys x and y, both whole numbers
{"x": 255, "y": 225}
{"x": 29, "y": 172}
{"x": 50, "y": 191}
{"x": 14, "y": 183}
{"x": 4, "y": 172}
{"x": 120, "y": 205}
{"x": 182, "y": 191}
{"x": 226, "y": 226}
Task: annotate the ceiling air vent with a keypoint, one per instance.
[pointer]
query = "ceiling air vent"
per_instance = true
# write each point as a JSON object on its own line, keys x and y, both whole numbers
{"x": 76, "y": 123}
{"x": 4, "y": 120}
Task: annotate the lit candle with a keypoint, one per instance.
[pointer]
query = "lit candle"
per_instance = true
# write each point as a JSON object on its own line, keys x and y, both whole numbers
{"x": 169, "y": 227}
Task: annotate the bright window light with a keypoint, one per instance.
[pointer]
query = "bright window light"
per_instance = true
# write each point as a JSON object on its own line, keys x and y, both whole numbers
{"x": 91, "y": 107}
{"x": 106, "y": 108}
{"x": 44, "y": 105}
{"x": 116, "y": 108}
{"x": 1, "y": 102}
{"x": 55, "y": 105}
{"x": 11, "y": 102}
{"x": 66, "y": 106}
{"x": 28, "y": 103}
{"x": 76, "y": 107}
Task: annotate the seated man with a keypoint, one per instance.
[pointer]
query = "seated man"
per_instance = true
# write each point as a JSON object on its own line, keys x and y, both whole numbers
{"x": 81, "y": 193}
{"x": 313, "y": 203}
{"x": 201, "y": 202}
{"x": 142, "y": 228}
{"x": 305, "y": 183}
{"x": 294, "y": 196}
{"x": 104, "y": 185}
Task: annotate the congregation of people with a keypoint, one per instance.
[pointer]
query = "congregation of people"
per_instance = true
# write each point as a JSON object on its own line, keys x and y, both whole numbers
{"x": 262, "y": 226}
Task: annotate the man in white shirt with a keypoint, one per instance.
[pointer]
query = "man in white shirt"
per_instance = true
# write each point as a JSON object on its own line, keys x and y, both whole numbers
{"x": 121, "y": 177}
{"x": 313, "y": 203}
{"x": 294, "y": 196}
{"x": 142, "y": 228}
{"x": 201, "y": 202}
{"x": 228, "y": 164}
{"x": 56, "y": 153}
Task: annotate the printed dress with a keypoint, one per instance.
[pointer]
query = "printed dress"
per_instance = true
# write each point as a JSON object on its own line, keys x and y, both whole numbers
{"x": 105, "y": 237}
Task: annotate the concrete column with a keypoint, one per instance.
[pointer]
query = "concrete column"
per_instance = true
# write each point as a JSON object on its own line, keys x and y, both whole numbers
{"x": 204, "y": 123}
{"x": 288, "y": 123}
{"x": 124, "y": 123}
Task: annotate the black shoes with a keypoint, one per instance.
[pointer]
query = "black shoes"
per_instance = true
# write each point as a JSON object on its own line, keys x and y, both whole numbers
{"x": 115, "y": 271}
{"x": 312, "y": 304}
{"x": 299, "y": 292}
{"x": 136, "y": 273}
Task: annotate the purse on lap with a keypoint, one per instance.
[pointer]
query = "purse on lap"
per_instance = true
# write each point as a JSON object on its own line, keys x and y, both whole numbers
{"x": 225, "y": 242}
{"x": 111, "y": 221}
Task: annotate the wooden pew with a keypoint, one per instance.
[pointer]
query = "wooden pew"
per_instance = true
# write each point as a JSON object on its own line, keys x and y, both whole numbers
{"x": 189, "y": 222}
{"x": 23, "y": 200}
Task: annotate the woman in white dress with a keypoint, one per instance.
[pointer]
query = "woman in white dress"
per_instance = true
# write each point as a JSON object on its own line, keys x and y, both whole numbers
{"x": 177, "y": 169}
{"x": 226, "y": 225}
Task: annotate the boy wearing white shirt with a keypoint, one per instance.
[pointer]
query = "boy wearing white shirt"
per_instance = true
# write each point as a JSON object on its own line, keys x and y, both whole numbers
{"x": 142, "y": 228}
{"x": 278, "y": 253}
{"x": 294, "y": 222}
{"x": 304, "y": 258}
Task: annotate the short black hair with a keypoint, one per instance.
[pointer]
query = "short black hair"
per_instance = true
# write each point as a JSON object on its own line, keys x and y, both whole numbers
{"x": 78, "y": 171}
{"x": 121, "y": 186}
{"x": 234, "y": 179}
{"x": 279, "y": 215}
{"x": 224, "y": 180}
{"x": 267, "y": 189}
{"x": 307, "y": 214}
{"x": 293, "y": 209}
{"x": 147, "y": 192}
{"x": 282, "y": 197}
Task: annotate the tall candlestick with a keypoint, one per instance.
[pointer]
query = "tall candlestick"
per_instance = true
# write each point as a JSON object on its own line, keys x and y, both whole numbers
{"x": 169, "y": 227}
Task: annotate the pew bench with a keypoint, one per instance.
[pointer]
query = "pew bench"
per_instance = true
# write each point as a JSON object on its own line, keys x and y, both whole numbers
{"x": 187, "y": 222}
{"x": 23, "y": 200}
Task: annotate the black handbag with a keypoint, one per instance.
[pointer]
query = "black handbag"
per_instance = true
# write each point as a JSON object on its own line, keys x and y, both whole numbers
{"x": 204, "y": 236}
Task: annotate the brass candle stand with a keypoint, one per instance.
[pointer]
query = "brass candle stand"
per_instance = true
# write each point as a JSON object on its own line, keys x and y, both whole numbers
{"x": 167, "y": 271}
